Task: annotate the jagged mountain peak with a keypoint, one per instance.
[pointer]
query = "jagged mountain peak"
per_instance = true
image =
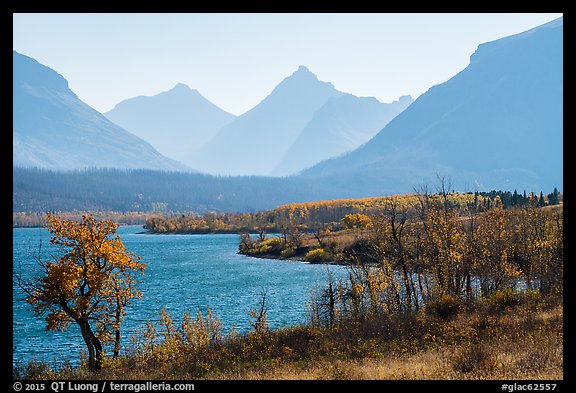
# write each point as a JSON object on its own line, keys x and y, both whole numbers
{"x": 302, "y": 79}
{"x": 184, "y": 89}
{"x": 304, "y": 72}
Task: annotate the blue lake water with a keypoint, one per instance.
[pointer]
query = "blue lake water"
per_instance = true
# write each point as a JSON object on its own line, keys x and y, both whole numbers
{"x": 183, "y": 273}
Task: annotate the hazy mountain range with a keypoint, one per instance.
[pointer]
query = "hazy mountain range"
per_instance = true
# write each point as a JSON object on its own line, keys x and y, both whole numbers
{"x": 498, "y": 124}
{"x": 301, "y": 122}
{"x": 341, "y": 125}
{"x": 53, "y": 128}
{"x": 176, "y": 122}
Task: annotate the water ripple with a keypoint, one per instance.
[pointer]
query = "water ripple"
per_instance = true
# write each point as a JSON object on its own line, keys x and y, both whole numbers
{"x": 183, "y": 273}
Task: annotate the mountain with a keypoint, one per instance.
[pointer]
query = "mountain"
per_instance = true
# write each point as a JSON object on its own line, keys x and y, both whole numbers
{"x": 54, "y": 129}
{"x": 175, "y": 122}
{"x": 255, "y": 142}
{"x": 341, "y": 125}
{"x": 498, "y": 124}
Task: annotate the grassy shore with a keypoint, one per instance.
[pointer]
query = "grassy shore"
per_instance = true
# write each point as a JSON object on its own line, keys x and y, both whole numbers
{"x": 495, "y": 338}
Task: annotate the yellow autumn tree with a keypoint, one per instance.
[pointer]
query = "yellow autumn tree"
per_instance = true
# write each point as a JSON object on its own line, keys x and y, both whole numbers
{"x": 495, "y": 263}
{"x": 90, "y": 284}
{"x": 357, "y": 220}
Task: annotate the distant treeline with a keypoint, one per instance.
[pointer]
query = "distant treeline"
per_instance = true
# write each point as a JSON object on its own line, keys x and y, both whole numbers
{"x": 140, "y": 190}
{"x": 336, "y": 214}
{"x": 38, "y": 219}
{"x": 39, "y": 190}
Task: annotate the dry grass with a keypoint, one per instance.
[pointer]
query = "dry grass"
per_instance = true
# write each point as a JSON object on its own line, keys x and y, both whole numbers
{"x": 432, "y": 365}
{"x": 420, "y": 366}
{"x": 517, "y": 342}
{"x": 518, "y": 345}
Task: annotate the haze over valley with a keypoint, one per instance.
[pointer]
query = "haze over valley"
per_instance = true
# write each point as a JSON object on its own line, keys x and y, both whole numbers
{"x": 497, "y": 124}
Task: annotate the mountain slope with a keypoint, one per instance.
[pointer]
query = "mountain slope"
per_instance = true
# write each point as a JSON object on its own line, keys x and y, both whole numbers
{"x": 175, "y": 122}
{"x": 53, "y": 128}
{"x": 339, "y": 126}
{"x": 496, "y": 124}
{"x": 255, "y": 142}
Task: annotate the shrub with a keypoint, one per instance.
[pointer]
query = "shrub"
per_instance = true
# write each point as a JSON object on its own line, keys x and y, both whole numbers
{"x": 263, "y": 249}
{"x": 317, "y": 255}
{"x": 502, "y": 299}
{"x": 246, "y": 243}
{"x": 356, "y": 221}
{"x": 288, "y": 252}
{"x": 475, "y": 358}
{"x": 34, "y": 370}
{"x": 272, "y": 242}
{"x": 533, "y": 295}
{"x": 269, "y": 245}
{"x": 446, "y": 306}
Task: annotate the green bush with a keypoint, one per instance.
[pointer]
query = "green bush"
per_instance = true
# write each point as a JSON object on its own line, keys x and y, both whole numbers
{"x": 288, "y": 252}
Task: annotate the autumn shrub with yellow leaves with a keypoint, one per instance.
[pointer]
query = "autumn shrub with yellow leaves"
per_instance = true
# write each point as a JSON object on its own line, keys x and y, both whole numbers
{"x": 318, "y": 255}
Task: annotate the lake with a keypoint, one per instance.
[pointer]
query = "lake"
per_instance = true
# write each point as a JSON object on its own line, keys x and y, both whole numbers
{"x": 183, "y": 273}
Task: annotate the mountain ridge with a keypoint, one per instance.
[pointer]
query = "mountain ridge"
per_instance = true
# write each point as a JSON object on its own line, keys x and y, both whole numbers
{"x": 479, "y": 127}
{"x": 177, "y": 122}
{"x": 341, "y": 125}
{"x": 262, "y": 140}
{"x": 255, "y": 141}
{"x": 53, "y": 128}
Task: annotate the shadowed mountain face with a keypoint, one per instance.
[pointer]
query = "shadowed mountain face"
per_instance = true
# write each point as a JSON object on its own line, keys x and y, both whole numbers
{"x": 302, "y": 122}
{"x": 255, "y": 142}
{"x": 497, "y": 124}
{"x": 341, "y": 125}
{"x": 176, "y": 122}
{"x": 54, "y": 129}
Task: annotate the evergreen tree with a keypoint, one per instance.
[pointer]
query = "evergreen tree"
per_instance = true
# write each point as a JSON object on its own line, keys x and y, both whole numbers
{"x": 515, "y": 198}
{"x": 541, "y": 201}
{"x": 553, "y": 198}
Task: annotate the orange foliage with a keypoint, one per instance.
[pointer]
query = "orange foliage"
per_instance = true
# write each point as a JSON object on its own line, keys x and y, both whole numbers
{"x": 94, "y": 280}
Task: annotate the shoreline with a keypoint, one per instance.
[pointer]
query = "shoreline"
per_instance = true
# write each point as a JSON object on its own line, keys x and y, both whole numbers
{"x": 222, "y": 232}
{"x": 296, "y": 258}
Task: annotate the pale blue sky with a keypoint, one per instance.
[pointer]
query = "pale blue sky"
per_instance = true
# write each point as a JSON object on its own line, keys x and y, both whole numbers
{"x": 235, "y": 60}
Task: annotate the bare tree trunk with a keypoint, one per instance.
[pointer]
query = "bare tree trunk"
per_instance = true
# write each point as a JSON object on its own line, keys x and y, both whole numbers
{"x": 422, "y": 293}
{"x": 406, "y": 284}
{"x": 414, "y": 292}
{"x": 89, "y": 345}
{"x": 116, "y": 345}
{"x": 95, "y": 351}
{"x": 468, "y": 286}
{"x": 331, "y": 304}
{"x": 117, "y": 334}
{"x": 318, "y": 236}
